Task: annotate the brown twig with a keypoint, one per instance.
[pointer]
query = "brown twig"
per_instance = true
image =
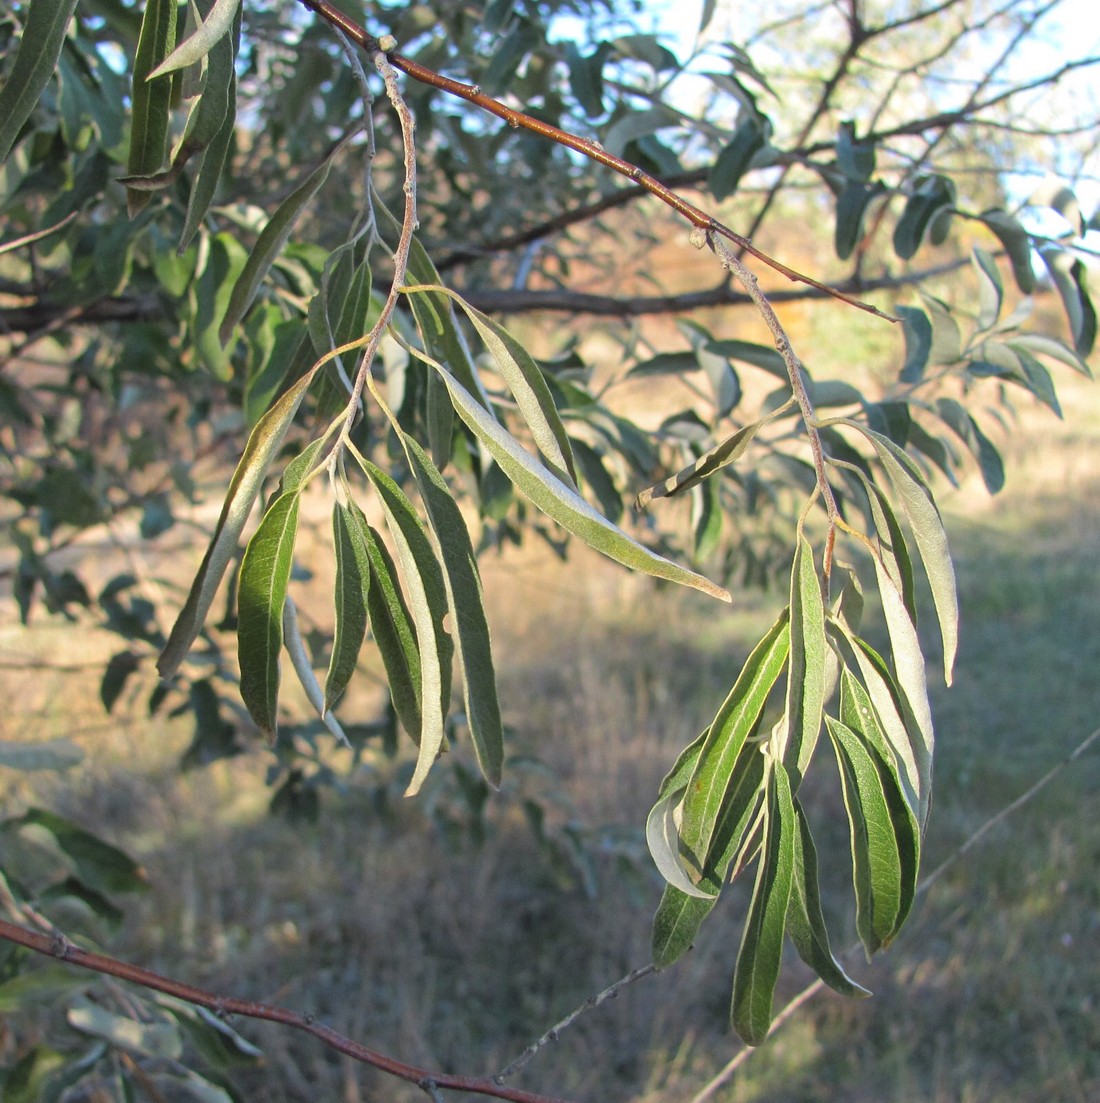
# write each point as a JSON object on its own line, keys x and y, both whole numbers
{"x": 472, "y": 93}
{"x": 57, "y": 946}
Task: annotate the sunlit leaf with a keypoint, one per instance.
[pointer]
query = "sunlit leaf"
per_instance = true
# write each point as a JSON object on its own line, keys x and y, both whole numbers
{"x": 212, "y": 29}
{"x": 561, "y": 502}
{"x": 1070, "y": 277}
{"x": 806, "y": 671}
{"x": 427, "y": 595}
{"x": 303, "y": 668}
{"x": 466, "y": 602}
{"x": 918, "y": 342}
{"x": 761, "y": 952}
{"x": 261, "y": 592}
{"x": 160, "y": 1040}
{"x": 44, "y": 27}
{"x": 525, "y": 380}
{"x": 990, "y": 290}
{"x": 928, "y": 534}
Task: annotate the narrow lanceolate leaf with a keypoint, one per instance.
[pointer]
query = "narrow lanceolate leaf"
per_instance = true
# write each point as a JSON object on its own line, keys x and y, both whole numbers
{"x": 350, "y": 599}
{"x": 263, "y": 444}
{"x": 299, "y": 659}
{"x": 858, "y": 713}
{"x": 680, "y": 912}
{"x": 928, "y": 532}
{"x": 391, "y": 624}
{"x": 35, "y": 62}
{"x": 1017, "y": 243}
{"x": 911, "y": 680}
{"x": 807, "y": 670}
{"x": 877, "y": 867}
{"x": 728, "y": 451}
{"x": 805, "y": 919}
{"x": 736, "y": 720}
{"x": 265, "y": 574}
{"x": 209, "y": 171}
{"x": 561, "y": 502}
{"x": 268, "y": 246}
{"x": 211, "y": 108}
{"x": 151, "y": 99}
{"x": 427, "y": 595}
{"x": 761, "y": 952}
{"x": 213, "y": 28}
{"x": 892, "y": 711}
{"x": 526, "y": 382}
{"x": 466, "y": 602}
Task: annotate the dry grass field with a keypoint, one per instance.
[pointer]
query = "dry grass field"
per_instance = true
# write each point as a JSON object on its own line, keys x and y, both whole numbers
{"x": 451, "y": 934}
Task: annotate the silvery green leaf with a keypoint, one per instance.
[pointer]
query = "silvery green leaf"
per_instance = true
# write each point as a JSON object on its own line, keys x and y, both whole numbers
{"x": 719, "y": 756}
{"x": 36, "y": 56}
{"x": 761, "y": 952}
{"x": 263, "y": 444}
{"x": 261, "y": 592}
{"x": 212, "y": 29}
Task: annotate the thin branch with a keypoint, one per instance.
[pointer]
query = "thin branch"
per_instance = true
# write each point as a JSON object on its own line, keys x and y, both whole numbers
{"x": 552, "y": 1035}
{"x": 593, "y": 150}
{"x": 58, "y": 946}
{"x": 926, "y": 883}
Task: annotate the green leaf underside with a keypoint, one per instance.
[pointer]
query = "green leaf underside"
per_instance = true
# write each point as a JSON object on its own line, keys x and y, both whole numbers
{"x": 391, "y": 625}
{"x": 806, "y": 678}
{"x": 560, "y": 502}
{"x": 427, "y": 596}
{"x": 726, "y": 738}
{"x": 263, "y": 444}
{"x": 466, "y": 602}
{"x": 805, "y": 919}
{"x": 35, "y": 61}
{"x": 350, "y": 599}
{"x": 264, "y": 577}
{"x": 761, "y": 952}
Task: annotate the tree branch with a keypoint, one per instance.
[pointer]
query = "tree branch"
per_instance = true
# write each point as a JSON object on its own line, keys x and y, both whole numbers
{"x": 57, "y": 946}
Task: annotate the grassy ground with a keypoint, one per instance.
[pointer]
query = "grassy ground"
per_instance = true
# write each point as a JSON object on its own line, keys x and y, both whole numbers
{"x": 452, "y": 940}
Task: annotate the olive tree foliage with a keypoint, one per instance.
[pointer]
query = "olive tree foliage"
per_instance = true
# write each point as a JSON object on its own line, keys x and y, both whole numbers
{"x": 258, "y": 227}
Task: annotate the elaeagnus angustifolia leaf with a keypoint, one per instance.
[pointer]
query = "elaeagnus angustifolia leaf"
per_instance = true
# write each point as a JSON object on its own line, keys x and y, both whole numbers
{"x": 736, "y": 721}
{"x": 561, "y": 502}
{"x": 525, "y": 380}
{"x": 151, "y": 99}
{"x": 761, "y": 952}
{"x": 427, "y": 595}
{"x": 466, "y": 602}
{"x": 928, "y": 533}
{"x": 262, "y": 446}
{"x": 391, "y": 623}
{"x": 261, "y": 591}
{"x": 807, "y": 669}
{"x": 213, "y": 28}
{"x": 350, "y": 600}
{"x": 46, "y": 22}
{"x": 805, "y": 919}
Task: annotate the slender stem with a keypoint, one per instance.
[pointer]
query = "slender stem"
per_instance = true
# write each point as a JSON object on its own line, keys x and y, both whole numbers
{"x": 58, "y": 946}
{"x": 748, "y": 280}
{"x": 554, "y": 1032}
{"x": 591, "y": 149}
